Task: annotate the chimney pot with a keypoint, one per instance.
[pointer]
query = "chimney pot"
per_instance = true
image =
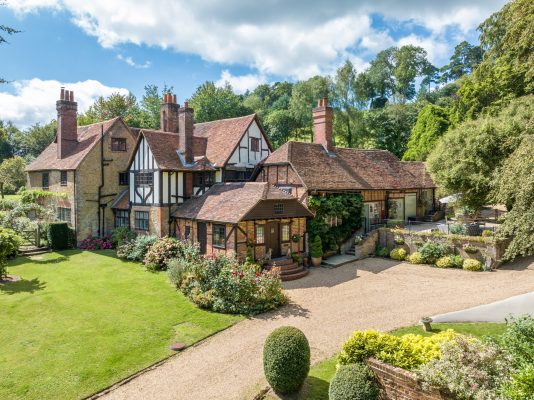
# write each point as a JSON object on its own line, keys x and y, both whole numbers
{"x": 62, "y": 94}
{"x": 174, "y": 99}
{"x": 71, "y": 96}
{"x": 67, "y": 130}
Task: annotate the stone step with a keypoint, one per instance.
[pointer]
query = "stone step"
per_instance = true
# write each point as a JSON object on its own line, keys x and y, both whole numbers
{"x": 34, "y": 252}
{"x": 282, "y": 261}
{"x": 285, "y": 268}
{"x": 295, "y": 276}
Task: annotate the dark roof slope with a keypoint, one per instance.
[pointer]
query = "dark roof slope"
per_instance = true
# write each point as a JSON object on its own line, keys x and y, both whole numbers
{"x": 88, "y": 137}
{"x": 349, "y": 168}
{"x": 230, "y": 202}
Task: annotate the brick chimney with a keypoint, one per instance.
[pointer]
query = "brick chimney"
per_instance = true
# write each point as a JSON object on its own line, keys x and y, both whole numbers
{"x": 67, "y": 123}
{"x": 169, "y": 113}
{"x": 322, "y": 124}
{"x": 185, "y": 130}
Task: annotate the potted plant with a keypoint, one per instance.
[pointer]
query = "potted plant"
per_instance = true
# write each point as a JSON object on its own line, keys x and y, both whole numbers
{"x": 295, "y": 238}
{"x": 357, "y": 240}
{"x": 316, "y": 251}
{"x": 468, "y": 248}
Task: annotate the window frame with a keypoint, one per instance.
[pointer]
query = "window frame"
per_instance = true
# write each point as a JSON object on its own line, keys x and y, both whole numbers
{"x": 45, "y": 176}
{"x": 118, "y": 144}
{"x": 122, "y": 218}
{"x": 63, "y": 178}
{"x": 278, "y": 208}
{"x": 122, "y": 175}
{"x": 138, "y": 219}
{"x": 144, "y": 182}
{"x": 282, "y": 227}
{"x": 255, "y": 144}
{"x": 187, "y": 232}
{"x": 257, "y": 229}
{"x": 214, "y": 243}
{"x": 63, "y": 214}
{"x": 203, "y": 179}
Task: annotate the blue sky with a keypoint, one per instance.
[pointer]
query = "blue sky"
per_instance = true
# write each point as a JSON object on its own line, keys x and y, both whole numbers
{"x": 100, "y": 46}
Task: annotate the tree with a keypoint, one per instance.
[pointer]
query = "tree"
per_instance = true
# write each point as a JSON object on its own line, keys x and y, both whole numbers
{"x": 12, "y": 174}
{"x": 9, "y": 31}
{"x": 380, "y": 75}
{"x": 115, "y": 105}
{"x": 32, "y": 141}
{"x": 466, "y": 157}
{"x": 431, "y": 124}
{"x": 211, "y": 103}
{"x": 7, "y": 132}
{"x": 514, "y": 186}
{"x": 389, "y": 128}
{"x": 409, "y": 62}
{"x": 463, "y": 61}
{"x": 149, "y": 107}
{"x": 304, "y": 97}
{"x": 345, "y": 101}
{"x": 280, "y": 125}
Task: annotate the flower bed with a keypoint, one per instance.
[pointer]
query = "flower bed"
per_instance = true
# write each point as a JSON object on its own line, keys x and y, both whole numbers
{"x": 96, "y": 243}
{"x": 433, "y": 247}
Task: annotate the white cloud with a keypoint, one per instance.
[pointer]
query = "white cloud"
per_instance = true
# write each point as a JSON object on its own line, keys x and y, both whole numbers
{"x": 240, "y": 83}
{"x": 298, "y": 39}
{"x": 132, "y": 63}
{"x": 35, "y": 100}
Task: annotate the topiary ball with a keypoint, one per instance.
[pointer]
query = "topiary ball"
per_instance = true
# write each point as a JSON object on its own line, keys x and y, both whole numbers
{"x": 286, "y": 359}
{"x": 353, "y": 382}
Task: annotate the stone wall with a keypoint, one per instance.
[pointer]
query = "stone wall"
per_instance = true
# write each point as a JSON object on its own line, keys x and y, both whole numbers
{"x": 489, "y": 252}
{"x": 398, "y": 384}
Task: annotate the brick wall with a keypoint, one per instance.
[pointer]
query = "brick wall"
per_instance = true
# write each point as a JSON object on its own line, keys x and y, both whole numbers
{"x": 399, "y": 384}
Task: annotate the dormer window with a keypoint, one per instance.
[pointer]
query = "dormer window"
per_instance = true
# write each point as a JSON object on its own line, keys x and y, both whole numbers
{"x": 279, "y": 208}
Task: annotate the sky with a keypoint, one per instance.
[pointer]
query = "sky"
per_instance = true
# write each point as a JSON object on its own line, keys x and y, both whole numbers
{"x": 98, "y": 47}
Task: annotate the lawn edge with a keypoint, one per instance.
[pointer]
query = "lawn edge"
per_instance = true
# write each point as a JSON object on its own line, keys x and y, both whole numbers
{"x": 122, "y": 382}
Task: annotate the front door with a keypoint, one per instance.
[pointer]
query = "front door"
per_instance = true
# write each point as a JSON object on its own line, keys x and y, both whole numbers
{"x": 410, "y": 206}
{"x": 201, "y": 236}
{"x": 272, "y": 238}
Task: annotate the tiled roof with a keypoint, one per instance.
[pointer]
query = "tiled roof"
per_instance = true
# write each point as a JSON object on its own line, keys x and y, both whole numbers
{"x": 164, "y": 146}
{"x": 230, "y": 202}
{"x": 213, "y": 142}
{"x": 122, "y": 201}
{"x": 88, "y": 136}
{"x": 350, "y": 169}
{"x": 222, "y": 136}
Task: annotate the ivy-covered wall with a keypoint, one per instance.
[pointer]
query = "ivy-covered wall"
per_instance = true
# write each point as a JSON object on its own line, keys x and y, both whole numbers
{"x": 347, "y": 208}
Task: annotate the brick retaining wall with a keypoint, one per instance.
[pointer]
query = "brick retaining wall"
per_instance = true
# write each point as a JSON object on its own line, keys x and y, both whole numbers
{"x": 398, "y": 384}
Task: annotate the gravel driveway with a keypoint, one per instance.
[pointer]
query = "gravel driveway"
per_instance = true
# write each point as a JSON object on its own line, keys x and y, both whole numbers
{"x": 327, "y": 305}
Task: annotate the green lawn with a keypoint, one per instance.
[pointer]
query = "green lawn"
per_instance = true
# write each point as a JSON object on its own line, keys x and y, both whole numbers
{"x": 316, "y": 386}
{"x": 80, "y": 321}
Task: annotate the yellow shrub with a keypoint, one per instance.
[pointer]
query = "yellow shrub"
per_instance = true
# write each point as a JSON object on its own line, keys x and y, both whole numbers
{"x": 408, "y": 351}
{"x": 470, "y": 264}
{"x": 398, "y": 254}
{"x": 445, "y": 262}
{"x": 416, "y": 258}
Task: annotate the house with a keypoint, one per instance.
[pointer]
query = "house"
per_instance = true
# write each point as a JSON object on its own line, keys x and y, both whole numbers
{"x": 244, "y": 219}
{"x": 89, "y": 164}
{"x": 183, "y": 160}
{"x": 391, "y": 189}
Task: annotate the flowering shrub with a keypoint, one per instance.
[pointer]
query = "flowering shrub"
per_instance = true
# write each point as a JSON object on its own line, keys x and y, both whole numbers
{"x": 470, "y": 264}
{"x": 521, "y": 384}
{"x": 136, "y": 249}
{"x": 224, "y": 285}
{"x": 9, "y": 244}
{"x": 96, "y": 243}
{"x": 416, "y": 258}
{"x": 160, "y": 252}
{"x": 468, "y": 369}
{"x": 408, "y": 351}
{"x": 398, "y": 254}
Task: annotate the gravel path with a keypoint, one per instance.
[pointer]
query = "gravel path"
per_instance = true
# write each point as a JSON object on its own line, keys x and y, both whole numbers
{"x": 327, "y": 305}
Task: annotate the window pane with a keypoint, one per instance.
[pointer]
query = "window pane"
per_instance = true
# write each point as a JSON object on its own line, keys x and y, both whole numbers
{"x": 260, "y": 234}
{"x": 141, "y": 220}
{"x": 144, "y": 179}
{"x": 118, "y": 144}
{"x": 123, "y": 178}
{"x": 219, "y": 236}
{"x": 285, "y": 233}
{"x": 121, "y": 218}
{"x": 279, "y": 208}
{"x": 63, "y": 178}
{"x": 45, "y": 181}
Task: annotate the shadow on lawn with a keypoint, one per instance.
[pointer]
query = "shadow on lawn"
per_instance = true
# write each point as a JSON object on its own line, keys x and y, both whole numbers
{"x": 313, "y": 388}
{"x": 22, "y": 286}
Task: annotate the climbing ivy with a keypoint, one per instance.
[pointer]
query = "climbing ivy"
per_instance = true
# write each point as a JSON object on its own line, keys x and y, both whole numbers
{"x": 346, "y": 207}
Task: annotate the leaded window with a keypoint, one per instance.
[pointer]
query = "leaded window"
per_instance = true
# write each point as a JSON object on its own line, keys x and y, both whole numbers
{"x": 122, "y": 218}
{"x": 219, "y": 236}
{"x": 141, "y": 220}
